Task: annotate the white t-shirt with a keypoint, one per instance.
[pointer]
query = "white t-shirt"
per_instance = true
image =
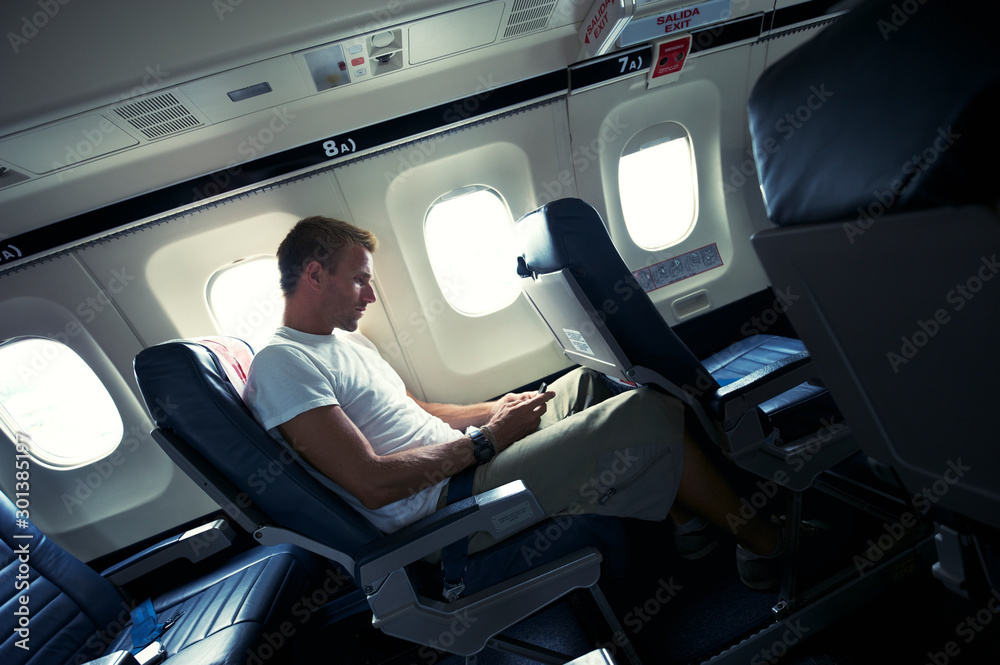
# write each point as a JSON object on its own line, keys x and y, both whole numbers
{"x": 297, "y": 372}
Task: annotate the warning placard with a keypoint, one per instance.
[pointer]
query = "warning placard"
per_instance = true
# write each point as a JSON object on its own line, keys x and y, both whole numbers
{"x": 670, "y": 56}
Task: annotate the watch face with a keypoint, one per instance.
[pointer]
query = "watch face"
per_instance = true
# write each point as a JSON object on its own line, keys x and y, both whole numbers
{"x": 482, "y": 449}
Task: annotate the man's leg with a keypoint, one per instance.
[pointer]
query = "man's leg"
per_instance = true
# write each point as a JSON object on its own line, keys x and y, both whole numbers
{"x": 575, "y": 391}
{"x": 627, "y": 455}
{"x": 622, "y": 456}
{"x": 705, "y": 493}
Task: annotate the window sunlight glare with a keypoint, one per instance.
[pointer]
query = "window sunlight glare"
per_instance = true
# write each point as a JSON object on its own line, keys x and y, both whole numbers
{"x": 658, "y": 196}
{"x": 470, "y": 242}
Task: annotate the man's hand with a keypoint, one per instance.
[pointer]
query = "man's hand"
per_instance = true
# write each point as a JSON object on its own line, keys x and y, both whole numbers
{"x": 514, "y": 416}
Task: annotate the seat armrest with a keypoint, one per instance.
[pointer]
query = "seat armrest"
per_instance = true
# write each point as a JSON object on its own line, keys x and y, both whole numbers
{"x": 732, "y": 401}
{"x": 194, "y": 545}
{"x": 500, "y": 512}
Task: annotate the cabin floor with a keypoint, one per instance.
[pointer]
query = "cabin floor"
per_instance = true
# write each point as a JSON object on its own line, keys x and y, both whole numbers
{"x": 677, "y": 612}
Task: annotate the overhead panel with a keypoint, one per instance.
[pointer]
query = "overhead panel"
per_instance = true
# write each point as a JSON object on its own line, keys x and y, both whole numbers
{"x": 455, "y": 32}
{"x": 67, "y": 143}
{"x": 245, "y": 90}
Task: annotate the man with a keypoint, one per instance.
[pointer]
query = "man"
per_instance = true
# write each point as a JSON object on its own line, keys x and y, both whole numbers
{"x": 322, "y": 389}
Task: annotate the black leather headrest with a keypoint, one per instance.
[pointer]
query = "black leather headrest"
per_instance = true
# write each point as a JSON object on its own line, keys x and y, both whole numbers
{"x": 891, "y": 108}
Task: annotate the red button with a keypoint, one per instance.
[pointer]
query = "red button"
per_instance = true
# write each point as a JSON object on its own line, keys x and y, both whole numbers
{"x": 358, "y": 61}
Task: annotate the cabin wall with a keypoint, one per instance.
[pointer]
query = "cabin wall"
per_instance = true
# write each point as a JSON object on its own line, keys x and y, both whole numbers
{"x": 115, "y": 294}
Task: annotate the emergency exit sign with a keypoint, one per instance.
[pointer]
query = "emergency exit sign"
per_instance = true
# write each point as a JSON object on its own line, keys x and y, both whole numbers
{"x": 675, "y": 20}
{"x": 603, "y": 24}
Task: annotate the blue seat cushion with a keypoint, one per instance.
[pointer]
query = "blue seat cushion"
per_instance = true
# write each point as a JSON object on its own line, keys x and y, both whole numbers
{"x": 225, "y": 614}
{"x": 75, "y": 615}
{"x": 794, "y": 412}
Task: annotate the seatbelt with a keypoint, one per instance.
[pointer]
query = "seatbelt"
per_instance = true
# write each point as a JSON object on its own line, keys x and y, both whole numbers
{"x": 144, "y": 627}
{"x": 145, "y": 630}
{"x": 455, "y": 556}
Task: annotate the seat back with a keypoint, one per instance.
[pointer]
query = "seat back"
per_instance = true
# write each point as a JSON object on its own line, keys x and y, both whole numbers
{"x": 603, "y": 319}
{"x": 565, "y": 247}
{"x": 210, "y": 432}
{"x": 910, "y": 354}
{"x": 896, "y": 269}
{"x": 56, "y": 608}
{"x": 188, "y": 391}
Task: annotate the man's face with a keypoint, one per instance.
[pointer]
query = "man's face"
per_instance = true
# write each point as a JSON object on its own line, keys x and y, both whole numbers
{"x": 349, "y": 289}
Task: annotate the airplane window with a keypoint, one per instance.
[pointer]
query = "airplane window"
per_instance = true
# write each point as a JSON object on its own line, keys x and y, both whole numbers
{"x": 470, "y": 242}
{"x": 656, "y": 181}
{"x": 246, "y": 301}
{"x": 53, "y": 404}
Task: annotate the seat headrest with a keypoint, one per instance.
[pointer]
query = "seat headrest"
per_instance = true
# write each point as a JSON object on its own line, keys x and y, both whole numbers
{"x": 891, "y": 108}
{"x": 234, "y": 356}
{"x": 566, "y": 233}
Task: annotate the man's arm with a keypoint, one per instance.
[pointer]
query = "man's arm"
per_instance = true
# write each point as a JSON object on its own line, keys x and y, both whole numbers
{"x": 460, "y": 416}
{"x": 330, "y": 441}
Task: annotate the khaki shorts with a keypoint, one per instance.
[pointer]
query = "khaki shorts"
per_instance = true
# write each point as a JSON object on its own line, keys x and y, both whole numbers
{"x": 595, "y": 453}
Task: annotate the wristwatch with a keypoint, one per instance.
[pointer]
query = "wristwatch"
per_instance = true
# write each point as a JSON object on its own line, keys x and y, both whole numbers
{"x": 482, "y": 448}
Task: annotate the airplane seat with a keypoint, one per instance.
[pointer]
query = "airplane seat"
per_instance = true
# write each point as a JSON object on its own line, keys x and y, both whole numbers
{"x": 211, "y": 434}
{"x": 757, "y": 398}
{"x": 59, "y": 610}
{"x": 884, "y": 198}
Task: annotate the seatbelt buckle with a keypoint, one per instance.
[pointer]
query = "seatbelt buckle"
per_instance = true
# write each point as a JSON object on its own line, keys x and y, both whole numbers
{"x": 151, "y": 654}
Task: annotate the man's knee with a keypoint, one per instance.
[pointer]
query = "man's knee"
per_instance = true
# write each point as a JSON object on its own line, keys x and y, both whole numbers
{"x": 648, "y": 405}
{"x": 585, "y": 388}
